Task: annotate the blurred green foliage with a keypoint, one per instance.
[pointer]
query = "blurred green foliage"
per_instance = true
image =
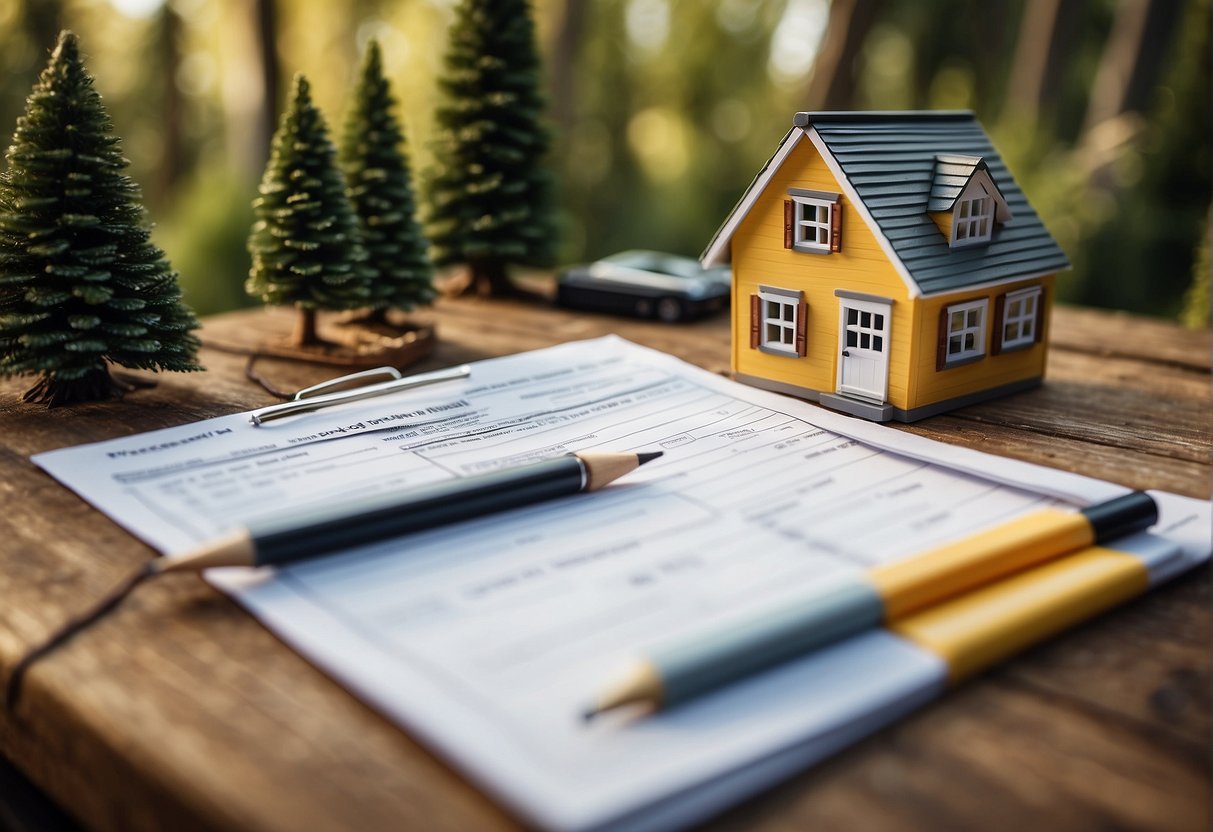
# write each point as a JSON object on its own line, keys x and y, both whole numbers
{"x": 1197, "y": 299}
{"x": 664, "y": 110}
{"x": 205, "y": 230}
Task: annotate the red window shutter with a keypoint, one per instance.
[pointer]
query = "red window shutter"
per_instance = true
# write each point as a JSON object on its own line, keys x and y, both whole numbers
{"x": 802, "y": 329}
{"x": 941, "y": 352}
{"x": 1000, "y": 305}
{"x": 1040, "y": 315}
{"x": 755, "y": 321}
{"x": 836, "y": 226}
{"x": 789, "y": 221}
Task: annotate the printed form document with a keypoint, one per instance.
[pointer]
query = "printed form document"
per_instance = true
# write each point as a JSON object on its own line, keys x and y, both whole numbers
{"x": 487, "y": 639}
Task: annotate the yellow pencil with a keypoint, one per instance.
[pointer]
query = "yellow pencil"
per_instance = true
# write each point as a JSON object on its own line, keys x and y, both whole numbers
{"x": 884, "y": 595}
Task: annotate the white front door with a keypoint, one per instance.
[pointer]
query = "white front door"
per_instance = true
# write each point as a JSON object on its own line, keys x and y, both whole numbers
{"x": 863, "y": 348}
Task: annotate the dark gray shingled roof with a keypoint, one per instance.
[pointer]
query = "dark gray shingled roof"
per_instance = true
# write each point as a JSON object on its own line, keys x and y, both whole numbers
{"x": 889, "y": 158}
{"x": 948, "y": 178}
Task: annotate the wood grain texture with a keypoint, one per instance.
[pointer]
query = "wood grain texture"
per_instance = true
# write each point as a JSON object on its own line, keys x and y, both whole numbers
{"x": 182, "y": 712}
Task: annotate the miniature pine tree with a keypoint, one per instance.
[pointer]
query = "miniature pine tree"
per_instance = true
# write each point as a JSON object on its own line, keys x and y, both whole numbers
{"x": 81, "y": 284}
{"x": 491, "y": 195}
{"x": 305, "y": 243}
{"x": 377, "y": 172}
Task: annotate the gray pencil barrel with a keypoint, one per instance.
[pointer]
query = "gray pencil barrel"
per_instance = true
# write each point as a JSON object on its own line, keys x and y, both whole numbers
{"x": 710, "y": 660}
{"x": 308, "y": 532}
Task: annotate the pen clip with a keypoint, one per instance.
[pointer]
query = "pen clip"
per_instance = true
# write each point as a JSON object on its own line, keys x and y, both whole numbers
{"x": 315, "y": 398}
{"x": 342, "y": 381}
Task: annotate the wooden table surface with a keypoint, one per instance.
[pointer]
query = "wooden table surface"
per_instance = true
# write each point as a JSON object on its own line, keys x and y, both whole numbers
{"x": 182, "y": 712}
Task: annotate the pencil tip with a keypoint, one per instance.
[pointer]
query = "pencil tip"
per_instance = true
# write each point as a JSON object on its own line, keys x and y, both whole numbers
{"x": 589, "y": 713}
{"x": 647, "y": 456}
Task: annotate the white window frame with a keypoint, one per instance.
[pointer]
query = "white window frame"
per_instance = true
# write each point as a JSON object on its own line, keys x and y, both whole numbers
{"x": 977, "y": 330}
{"x": 973, "y": 220}
{"x": 1023, "y": 320}
{"x": 778, "y": 315}
{"x": 821, "y": 228}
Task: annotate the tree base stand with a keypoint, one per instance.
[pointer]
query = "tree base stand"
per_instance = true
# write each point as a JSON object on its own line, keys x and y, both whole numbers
{"x": 98, "y": 385}
{"x": 463, "y": 281}
{"x": 395, "y": 344}
{"x": 485, "y": 280}
{"x": 387, "y": 322}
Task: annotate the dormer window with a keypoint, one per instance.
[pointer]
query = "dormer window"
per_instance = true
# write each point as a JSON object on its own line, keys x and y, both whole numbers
{"x": 965, "y": 202}
{"x": 974, "y": 219}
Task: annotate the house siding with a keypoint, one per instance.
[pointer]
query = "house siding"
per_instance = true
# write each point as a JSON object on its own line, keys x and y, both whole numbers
{"x": 929, "y": 385}
{"x": 759, "y": 258}
{"x": 943, "y": 221}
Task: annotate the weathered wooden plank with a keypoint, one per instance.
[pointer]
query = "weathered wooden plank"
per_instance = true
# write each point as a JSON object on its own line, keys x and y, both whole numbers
{"x": 25, "y": 808}
{"x": 1120, "y": 418}
{"x": 1121, "y": 335}
{"x": 1150, "y": 378}
{"x": 1126, "y": 466}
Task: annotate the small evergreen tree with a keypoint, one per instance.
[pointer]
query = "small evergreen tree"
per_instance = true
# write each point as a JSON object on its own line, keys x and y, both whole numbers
{"x": 305, "y": 242}
{"x": 81, "y": 284}
{"x": 491, "y": 195}
{"x": 377, "y": 172}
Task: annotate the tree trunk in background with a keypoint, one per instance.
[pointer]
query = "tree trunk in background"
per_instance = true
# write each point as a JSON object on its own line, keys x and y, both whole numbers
{"x": 1133, "y": 59}
{"x": 252, "y": 76}
{"x": 1042, "y": 52}
{"x": 270, "y": 66}
{"x": 172, "y": 162}
{"x": 565, "y": 44}
{"x": 43, "y": 19}
{"x": 29, "y": 35}
{"x": 832, "y": 84}
{"x": 994, "y": 41}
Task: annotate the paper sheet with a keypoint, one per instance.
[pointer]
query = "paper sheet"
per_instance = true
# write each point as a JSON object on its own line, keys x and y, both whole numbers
{"x": 487, "y": 639}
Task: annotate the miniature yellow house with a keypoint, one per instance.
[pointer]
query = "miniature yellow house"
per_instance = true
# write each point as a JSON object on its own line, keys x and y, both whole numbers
{"x": 888, "y": 266}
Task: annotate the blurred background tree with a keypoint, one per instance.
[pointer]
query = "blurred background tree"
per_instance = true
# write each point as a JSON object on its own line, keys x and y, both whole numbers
{"x": 664, "y": 110}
